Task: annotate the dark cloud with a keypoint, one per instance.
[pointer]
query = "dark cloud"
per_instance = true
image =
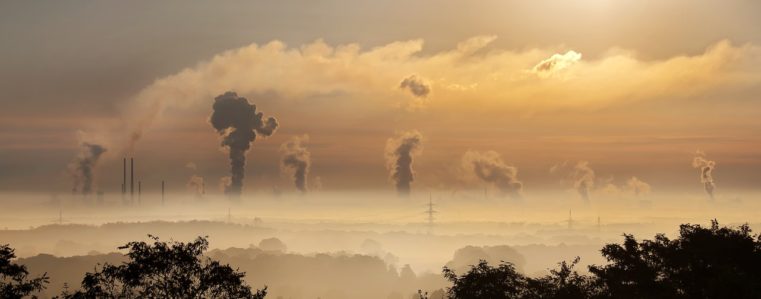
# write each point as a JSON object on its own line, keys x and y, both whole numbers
{"x": 489, "y": 167}
{"x": 237, "y": 121}
{"x": 399, "y": 157}
{"x": 83, "y": 167}
{"x": 706, "y": 171}
{"x": 296, "y": 160}
{"x": 416, "y": 85}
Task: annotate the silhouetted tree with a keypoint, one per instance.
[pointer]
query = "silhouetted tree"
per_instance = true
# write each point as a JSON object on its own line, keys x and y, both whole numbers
{"x": 483, "y": 281}
{"x": 166, "y": 270}
{"x": 562, "y": 283}
{"x": 14, "y": 278}
{"x": 714, "y": 262}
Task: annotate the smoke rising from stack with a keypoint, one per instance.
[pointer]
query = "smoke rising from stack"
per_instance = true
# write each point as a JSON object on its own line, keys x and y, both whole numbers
{"x": 237, "y": 121}
{"x": 581, "y": 175}
{"x": 637, "y": 186}
{"x": 400, "y": 151}
{"x": 296, "y": 160}
{"x": 706, "y": 168}
{"x": 83, "y": 167}
{"x": 196, "y": 185}
{"x": 583, "y": 179}
{"x": 489, "y": 167}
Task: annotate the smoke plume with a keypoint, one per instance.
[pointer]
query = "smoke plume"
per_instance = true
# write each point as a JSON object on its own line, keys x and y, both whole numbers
{"x": 706, "y": 171}
{"x": 296, "y": 160}
{"x": 489, "y": 167}
{"x": 416, "y": 86}
{"x": 238, "y": 123}
{"x": 399, "y": 155}
{"x": 637, "y": 186}
{"x": 83, "y": 167}
{"x": 583, "y": 179}
{"x": 196, "y": 185}
{"x": 581, "y": 175}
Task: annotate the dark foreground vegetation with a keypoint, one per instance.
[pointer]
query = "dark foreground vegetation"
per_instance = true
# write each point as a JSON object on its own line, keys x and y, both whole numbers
{"x": 702, "y": 262}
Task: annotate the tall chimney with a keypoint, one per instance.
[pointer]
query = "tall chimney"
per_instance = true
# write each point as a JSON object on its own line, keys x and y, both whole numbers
{"x": 162, "y": 192}
{"x": 124, "y": 177}
{"x": 132, "y": 179}
{"x": 139, "y": 192}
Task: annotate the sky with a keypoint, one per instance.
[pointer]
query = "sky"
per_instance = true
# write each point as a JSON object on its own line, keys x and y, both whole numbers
{"x": 517, "y": 96}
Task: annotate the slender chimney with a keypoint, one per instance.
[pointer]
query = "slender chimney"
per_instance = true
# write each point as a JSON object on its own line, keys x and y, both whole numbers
{"x": 124, "y": 177}
{"x": 139, "y": 192}
{"x": 162, "y": 192}
{"x": 132, "y": 179}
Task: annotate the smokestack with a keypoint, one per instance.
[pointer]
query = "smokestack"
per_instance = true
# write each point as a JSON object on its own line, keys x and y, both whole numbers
{"x": 124, "y": 177}
{"x": 139, "y": 192}
{"x": 399, "y": 157}
{"x": 238, "y": 122}
{"x": 132, "y": 179}
{"x": 162, "y": 193}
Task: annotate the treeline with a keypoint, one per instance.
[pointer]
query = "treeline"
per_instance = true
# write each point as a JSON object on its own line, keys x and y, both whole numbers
{"x": 702, "y": 262}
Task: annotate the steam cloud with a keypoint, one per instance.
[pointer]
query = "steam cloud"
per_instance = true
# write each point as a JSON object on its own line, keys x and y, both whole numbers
{"x": 489, "y": 167}
{"x": 399, "y": 153}
{"x": 557, "y": 62}
{"x": 296, "y": 160}
{"x": 706, "y": 171}
{"x": 82, "y": 168}
{"x": 582, "y": 176}
{"x": 416, "y": 86}
{"x": 197, "y": 185}
{"x": 637, "y": 186}
{"x": 238, "y": 123}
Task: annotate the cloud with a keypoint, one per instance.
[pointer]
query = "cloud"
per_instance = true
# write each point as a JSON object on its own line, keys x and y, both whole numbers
{"x": 489, "y": 167}
{"x": 494, "y": 80}
{"x": 556, "y": 63}
{"x": 400, "y": 152}
{"x": 637, "y": 187}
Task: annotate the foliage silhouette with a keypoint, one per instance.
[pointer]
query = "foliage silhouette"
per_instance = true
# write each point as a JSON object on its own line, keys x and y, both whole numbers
{"x": 14, "y": 280}
{"x": 713, "y": 262}
{"x": 166, "y": 270}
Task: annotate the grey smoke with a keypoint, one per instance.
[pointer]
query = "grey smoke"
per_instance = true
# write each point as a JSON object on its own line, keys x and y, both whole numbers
{"x": 416, "y": 85}
{"x": 399, "y": 157}
{"x": 489, "y": 167}
{"x": 296, "y": 160}
{"x": 83, "y": 167}
{"x": 706, "y": 168}
{"x": 237, "y": 121}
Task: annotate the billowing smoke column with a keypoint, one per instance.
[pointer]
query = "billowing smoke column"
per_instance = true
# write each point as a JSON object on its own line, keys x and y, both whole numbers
{"x": 637, "y": 186}
{"x": 583, "y": 179}
{"x": 489, "y": 167}
{"x": 82, "y": 169}
{"x": 296, "y": 160}
{"x": 238, "y": 123}
{"x": 399, "y": 153}
{"x": 706, "y": 171}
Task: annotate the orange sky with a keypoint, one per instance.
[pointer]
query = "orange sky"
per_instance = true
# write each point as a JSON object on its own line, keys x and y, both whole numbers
{"x": 634, "y": 88}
